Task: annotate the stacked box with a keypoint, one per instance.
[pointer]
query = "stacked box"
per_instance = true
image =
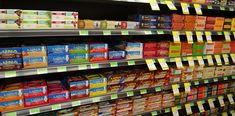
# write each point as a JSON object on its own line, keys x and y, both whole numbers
{"x": 168, "y": 100}
{"x": 98, "y": 52}
{"x": 175, "y": 75}
{"x": 189, "y": 22}
{"x": 64, "y": 20}
{"x": 34, "y": 56}
{"x": 57, "y": 92}
{"x": 97, "y": 84}
{"x": 58, "y": 55}
{"x": 187, "y": 74}
{"x": 219, "y": 72}
{"x": 209, "y": 48}
{"x": 11, "y": 97}
{"x": 78, "y": 86}
{"x": 226, "y": 47}
{"x": 114, "y": 81}
{"x": 227, "y": 70}
{"x": 164, "y": 22}
{"x": 208, "y": 72}
{"x": 124, "y": 107}
{"x": 200, "y": 23}
{"x": 174, "y": 49}
{"x": 116, "y": 54}
{"x": 150, "y": 49}
{"x": 202, "y": 92}
{"x": 198, "y": 72}
{"x": 36, "y": 19}
{"x": 145, "y": 21}
{"x": 219, "y": 24}
{"x": 186, "y": 49}
{"x": 106, "y": 108}
{"x": 232, "y": 47}
{"x": 78, "y": 53}
{"x": 233, "y": 25}
{"x": 210, "y": 23}
{"x": 139, "y": 104}
{"x": 162, "y": 49}
{"x": 35, "y": 93}
{"x": 10, "y": 58}
{"x": 10, "y": 18}
{"x": 198, "y": 49}
{"x": 227, "y": 24}
{"x": 218, "y": 47}
{"x": 134, "y": 50}
{"x": 88, "y": 110}
{"x": 178, "y": 22}
{"x": 153, "y": 102}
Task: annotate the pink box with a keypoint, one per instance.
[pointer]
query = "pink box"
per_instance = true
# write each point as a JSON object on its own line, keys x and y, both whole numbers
{"x": 35, "y": 88}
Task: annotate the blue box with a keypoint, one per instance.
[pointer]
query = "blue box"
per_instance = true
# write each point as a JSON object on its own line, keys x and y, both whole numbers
{"x": 99, "y": 47}
{"x": 57, "y": 49}
{"x": 78, "y": 49}
{"x": 58, "y": 59}
{"x": 9, "y": 64}
{"x": 117, "y": 55}
{"x": 8, "y": 53}
{"x": 34, "y": 51}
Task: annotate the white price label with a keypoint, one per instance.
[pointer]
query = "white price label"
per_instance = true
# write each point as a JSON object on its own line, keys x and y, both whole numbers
{"x": 170, "y": 5}
{"x": 189, "y": 35}
{"x": 199, "y": 36}
{"x": 178, "y": 63}
{"x": 188, "y": 109}
{"x": 190, "y": 61}
{"x": 175, "y": 88}
{"x": 210, "y": 60}
{"x": 225, "y": 57}
{"x": 200, "y": 106}
{"x": 175, "y": 111}
{"x": 176, "y": 36}
{"x": 227, "y": 36}
{"x": 230, "y": 98}
{"x": 211, "y": 103}
{"x": 198, "y": 9}
{"x": 187, "y": 87}
{"x": 184, "y": 7}
{"x": 221, "y": 101}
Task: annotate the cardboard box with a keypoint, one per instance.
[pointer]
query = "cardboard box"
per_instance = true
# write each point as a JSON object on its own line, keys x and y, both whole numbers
{"x": 96, "y": 57}
{"x": 198, "y": 48}
{"x": 9, "y": 53}
{"x": 11, "y": 105}
{"x": 10, "y": 64}
{"x": 175, "y": 49}
{"x": 10, "y": 23}
{"x": 10, "y": 13}
{"x": 36, "y": 14}
{"x": 64, "y": 16}
{"x": 35, "y": 24}
{"x": 78, "y": 48}
{"x": 58, "y": 59}
{"x": 98, "y": 91}
{"x": 78, "y": 58}
{"x": 64, "y": 24}
{"x": 34, "y": 51}
{"x": 35, "y": 88}
{"x": 96, "y": 80}
{"x": 134, "y": 54}
{"x": 57, "y": 49}
{"x": 11, "y": 92}
{"x": 34, "y": 62}
{"x": 35, "y": 101}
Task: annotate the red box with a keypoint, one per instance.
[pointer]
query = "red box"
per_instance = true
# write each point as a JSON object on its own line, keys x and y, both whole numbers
{"x": 209, "y": 27}
{"x": 210, "y": 20}
{"x": 190, "y": 19}
{"x": 150, "y": 54}
{"x": 177, "y": 18}
{"x": 78, "y": 83}
{"x": 57, "y": 92}
{"x": 189, "y": 26}
{"x": 35, "y": 88}
{"x": 177, "y": 26}
{"x": 150, "y": 46}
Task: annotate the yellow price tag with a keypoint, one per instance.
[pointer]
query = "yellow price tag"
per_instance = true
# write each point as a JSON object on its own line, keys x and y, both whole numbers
{"x": 234, "y": 34}
{"x": 176, "y": 36}
{"x": 187, "y": 87}
{"x": 175, "y": 88}
{"x": 208, "y": 36}
{"x": 199, "y": 36}
{"x": 211, "y": 103}
{"x": 225, "y": 57}
{"x": 198, "y": 9}
{"x": 224, "y": 114}
{"x": 154, "y": 5}
{"x": 200, "y": 106}
{"x": 227, "y": 36}
{"x": 184, "y": 7}
{"x": 150, "y": 64}
{"x": 190, "y": 61}
{"x": 210, "y": 60}
{"x": 221, "y": 101}
{"x": 230, "y": 98}
{"x": 200, "y": 61}
{"x": 189, "y": 35}
{"x": 218, "y": 60}
{"x": 233, "y": 57}
{"x": 178, "y": 63}
{"x": 163, "y": 63}
{"x": 175, "y": 111}
{"x": 170, "y": 5}
{"x": 188, "y": 109}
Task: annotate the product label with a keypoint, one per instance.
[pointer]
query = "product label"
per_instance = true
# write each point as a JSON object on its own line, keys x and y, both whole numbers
{"x": 59, "y": 95}
{"x": 79, "y": 92}
{"x": 78, "y": 48}
{"x": 36, "y": 99}
{"x": 12, "y": 103}
{"x": 59, "y": 49}
{"x": 34, "y": 90}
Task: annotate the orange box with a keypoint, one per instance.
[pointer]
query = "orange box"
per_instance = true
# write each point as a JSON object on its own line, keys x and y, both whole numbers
{"x": 190, "y": 19}
{"x": 218, "y": 27}
{"x": 218, "y": 44}
{"x": 177, "y": 26}
{"x": 189, "y": 26}
{"x": 11, "y": 92}
{"x": 233, "y": 25}
{"x": 177, "y": 18}
{"x": 11, "y": 105}
{"x": 219, "y": 21}
{"x": 217, "y": 51}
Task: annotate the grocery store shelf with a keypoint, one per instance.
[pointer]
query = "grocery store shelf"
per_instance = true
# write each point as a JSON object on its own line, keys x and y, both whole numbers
{"x": 84, "y": 66}
{"x": 73, "y": 103}
{"x": 7, "y": 33}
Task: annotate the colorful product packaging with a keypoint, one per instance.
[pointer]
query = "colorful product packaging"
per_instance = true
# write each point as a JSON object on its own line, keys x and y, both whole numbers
{"x": 34, "y": 51}
{"x": 10, "y": 13}
{"x": 64, "y": 16}
{"x": 98, "y": 91}
{"x": 35, "y": 24}
{"x": 35, "y": 101}
{"x": 11, "y": 92}
{"x": 10, "y": 23}
{"x": 8, "y": 53}
{"x": 57, "y": 92}
{"x": 78, "y": 58}
{"x": 10, "y": 64}
{"x": 35, "y": 88}
{"x": 98, "y": 48}
{"x": 64, "y": 24}
{"x": 198, "y": 49}
{"x": 96, "y": 57}
{"x": 134, "y": 54}
{"x": 186, "y": 49}
{"x": 58, "y": 59}
{"x": 174, "y": 49}
{"x": 76, "y": 94}
{"x": 57, "y": 49}
{"x": 34, "y": 62}
{"x": 117, "y": 54}
{"x": 78, "y": 83}
{"x": 96, "y": 80}
{"x": 11, "y": 105}
{"x": 78, "y": 48}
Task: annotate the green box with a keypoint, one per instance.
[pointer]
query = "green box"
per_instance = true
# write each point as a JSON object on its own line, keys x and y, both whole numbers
{"x": 175, "y": 49}
{"x": 198, "y": 48}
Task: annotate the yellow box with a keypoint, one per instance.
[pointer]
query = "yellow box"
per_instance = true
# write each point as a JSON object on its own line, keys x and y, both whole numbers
{"x": 233, "y": 25}
{"x": 98, "y": 91}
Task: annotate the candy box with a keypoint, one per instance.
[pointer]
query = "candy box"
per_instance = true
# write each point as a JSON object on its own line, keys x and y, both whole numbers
{"x": 96, "y": 80}
{"x": 117, "y": 55}
{"x": 57, "y": 49}
{"x": 34, "y": 62}
{"x": 144, "y": 18}
{"x": 175, "y": 49}
{"x": 178, "y": 18}
{"x": 198, "y": 48}
{"x": 115, "y": 88}
{"x": 64, "y": 24}
{"x": 189, "y": 26}
{"x": 87, "y": 24}
{"x": 208, "y": 72}
{"x": 8, "y": 53}
{"x": 165, "y": 18}
{"x": 143, "y": 84}
{"x": 98, "y": 47}
{"x": 129, "y": 86}
{"x": 144, "y": 75}
{"x": 57, "y": 93}
{"x": 160, "y": 74}
{"x": 10, "y": 13}
{"x": 10, "y": 23}
{"x": 11, "y": 105}
{"x": 134, "y": 54}
{"x": 189, "y": 19}
{"x": 36, "y": 14}
{"x": 11, "y": 92}
{"x": 177, "y": 26}
{"x": 150, "y": 54}
{"x": 58, "y": 59}
{"x": 161, "y": 25}
{"x": 64, "y": 15}
{"x": 134, "y": 46}
{"x": 129, "y": 76}
{"x": 78, "y": 58}
{"x": 35, "y": 101}
{"x": 96, "y": 57}
{"x": 34, "y": 51}
{"x": 150, "y": 46}
{"x": 112, "y": 24}
{"x": 76, "y": 94}
{"x": 114, "y": 77}
{"x": 35, "y": 24}
{"x": 98, "y": 91}
{"x": 132, "y": 25}
{"x": 209, "y": 48}
{"x": 9, "y": 64}
{"x": 35, "y": 88}
{"x": 78, "y": 48}
{"x": 148, "y": 25}
{"x": 78, "y": 83}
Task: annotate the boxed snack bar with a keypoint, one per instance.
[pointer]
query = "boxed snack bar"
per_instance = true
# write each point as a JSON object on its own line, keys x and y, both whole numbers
{"x": 149, "y": 54}
{"x": 36, "y": 14}
{"x": 57, "y": 92}
{"x": 132, "y": 25}
{"x": 150, "y": 46}
{"x": 226, "y": 47}
{"x": 64, "y": 16}
{"x": 8, "y": 53}
{"x": 198, "y": 48}
{"x": 114, "y": 77}
{"x": 35, "y": 101}
{"x": 186, "y": 49}
{"x": 219, "y": 23}
{"x": 134, "y": 54}
{"x": 35, "y": 24}
{"x": 209, "y": 48}
{"x": 208, "y": 72}
{"x": 78, "y": 83}
{"x": 178, "y": 18}
{"x": 144, "y": 18}
{"x": 34, "y": 51}
{"x": 175, "y": 49}
{"x": 76, "y": 94}
{"x": 58, "y": 59}
{"x": 10, "y": 23}
{"x": 78, "y": 58}
{"x": 98, "y": 47}
{"x": 129, "y": 86}
{"x": 10, "y": 13}
{"x": 96, "y": 57}
{"x": 134, "y": 46}
{"x": 78, "y": 48}
{"x": 64, "y": 24}
{"x": 165, "y": 18}
{"x": 57, "y": 49}
{"x": 11, "y": 92}
{"x": 35, "y": 88}
{"x": 117, "y": 54}
{"x": 148, "y": 25}
{"x": 115, "y": 88}
{"x": 98, "y": 91}
{"x": 162, "y": 25}
{"x": 96, "y": 80}
{"x": 9, "y": 64}
{"x": 11, "y": 105}
{"x": 34, "y": 62}
{"x": 106, "y": 108}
